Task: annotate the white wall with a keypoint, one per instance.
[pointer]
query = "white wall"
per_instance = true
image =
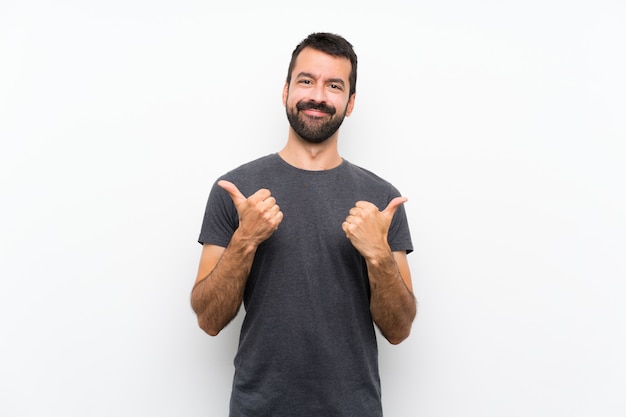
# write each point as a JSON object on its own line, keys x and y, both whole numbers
{"x": 503, "y": 122}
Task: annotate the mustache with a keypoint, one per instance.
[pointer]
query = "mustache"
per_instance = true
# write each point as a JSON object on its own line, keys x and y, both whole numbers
{"x": 323, "y": 107}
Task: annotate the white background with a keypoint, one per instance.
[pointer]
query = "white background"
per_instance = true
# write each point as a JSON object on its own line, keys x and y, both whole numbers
{"x": 503, "y": 122}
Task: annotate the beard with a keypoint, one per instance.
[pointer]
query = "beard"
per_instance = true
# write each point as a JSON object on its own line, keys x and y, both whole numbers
{"x": 314, "y": 129}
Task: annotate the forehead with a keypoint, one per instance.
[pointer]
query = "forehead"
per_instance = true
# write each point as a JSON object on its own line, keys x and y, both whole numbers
{"x": 322, "y": 65}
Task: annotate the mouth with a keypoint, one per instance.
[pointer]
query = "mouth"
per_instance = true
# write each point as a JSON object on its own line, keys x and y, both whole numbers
{"x": 313, "y": 109}
{"x": 315, "y": 113}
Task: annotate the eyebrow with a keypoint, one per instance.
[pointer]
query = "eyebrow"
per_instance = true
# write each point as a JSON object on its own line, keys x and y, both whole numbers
{"x": 330, "y": 80}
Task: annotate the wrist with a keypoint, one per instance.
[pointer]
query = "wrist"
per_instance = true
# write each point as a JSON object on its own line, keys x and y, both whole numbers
{"x": 242, "y": 243}
{"x": 379, "y": 259}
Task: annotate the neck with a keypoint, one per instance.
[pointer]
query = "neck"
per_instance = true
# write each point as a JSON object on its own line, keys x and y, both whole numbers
{"x": 311, "y": 156}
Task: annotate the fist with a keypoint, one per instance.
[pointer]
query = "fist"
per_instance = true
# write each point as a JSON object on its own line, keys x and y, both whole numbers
{"x": 259, "y": 215}
{"x": 367, "y": 228}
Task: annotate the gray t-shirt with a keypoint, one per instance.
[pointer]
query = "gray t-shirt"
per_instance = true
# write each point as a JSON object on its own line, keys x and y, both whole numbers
{"x": 307, "y": 345}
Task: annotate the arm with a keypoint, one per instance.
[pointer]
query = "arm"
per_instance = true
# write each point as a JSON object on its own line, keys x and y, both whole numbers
{"x": 218, "y": 291}
{"x": 223, "y": 272}
{"x": 393, "y": 305}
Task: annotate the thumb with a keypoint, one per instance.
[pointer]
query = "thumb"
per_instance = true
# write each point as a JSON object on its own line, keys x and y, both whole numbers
{"x": 233, "y": 191}
{"x": 393, "y": 205}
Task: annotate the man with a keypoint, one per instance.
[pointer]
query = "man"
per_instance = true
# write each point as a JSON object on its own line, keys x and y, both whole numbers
{"x": 299, "y": 238}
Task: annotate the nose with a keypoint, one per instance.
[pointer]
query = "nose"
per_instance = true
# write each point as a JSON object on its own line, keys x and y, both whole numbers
{"x": 319, "y": 93}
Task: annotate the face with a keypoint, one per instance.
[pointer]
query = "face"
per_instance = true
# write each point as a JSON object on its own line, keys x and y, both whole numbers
{"x": 317, "y": 99}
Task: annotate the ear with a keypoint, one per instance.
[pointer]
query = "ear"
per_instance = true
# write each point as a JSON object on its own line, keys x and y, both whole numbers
{"x": 285, "y": 93}
{"x": 350, "y": 105}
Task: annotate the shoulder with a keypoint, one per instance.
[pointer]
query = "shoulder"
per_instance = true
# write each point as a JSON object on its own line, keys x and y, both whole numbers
{"x": 370, "y": 179}
{"x": 260, "y": 164}
{"x": 253, "y": 175}
{"x": 253, "y": 170}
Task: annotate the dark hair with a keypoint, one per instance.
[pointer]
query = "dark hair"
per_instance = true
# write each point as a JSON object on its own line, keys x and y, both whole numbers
{"x": 330, "y": 44}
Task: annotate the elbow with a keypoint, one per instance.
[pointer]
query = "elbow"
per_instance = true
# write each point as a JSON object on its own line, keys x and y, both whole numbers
{"x": 402, "y": 330}
{"x": 211, "y": 323}
{"x": 208, "y": 324}
{"x": 208, "y": 327}
{"x": 204, "y": 322}
{"x": 211, "y": 332}
{"x": 398, "y": 338}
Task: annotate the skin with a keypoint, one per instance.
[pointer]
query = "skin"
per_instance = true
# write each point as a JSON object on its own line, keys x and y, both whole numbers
{"x": 222, "y": 272}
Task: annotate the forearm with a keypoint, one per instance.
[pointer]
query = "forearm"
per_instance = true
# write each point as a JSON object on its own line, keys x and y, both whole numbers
{"x": 217, "y": 298}
{"x": 393, "y": 305}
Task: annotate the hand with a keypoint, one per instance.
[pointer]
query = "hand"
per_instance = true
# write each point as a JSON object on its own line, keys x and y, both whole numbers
{"x": 259, "y": 215}
{"x": 367, "y": 228}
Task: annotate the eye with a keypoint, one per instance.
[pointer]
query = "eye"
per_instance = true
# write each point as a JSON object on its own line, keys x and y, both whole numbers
{"x": 305, "y": 82}
{"x": 335, "y": 86}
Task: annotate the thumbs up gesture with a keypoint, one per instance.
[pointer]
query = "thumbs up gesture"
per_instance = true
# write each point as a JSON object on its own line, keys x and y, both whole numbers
{"x": 259, "y": 215}
{"x": 367, "y": 228}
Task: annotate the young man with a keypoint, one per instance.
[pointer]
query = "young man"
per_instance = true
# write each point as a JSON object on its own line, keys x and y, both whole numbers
{"x": 315, "y": 247}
